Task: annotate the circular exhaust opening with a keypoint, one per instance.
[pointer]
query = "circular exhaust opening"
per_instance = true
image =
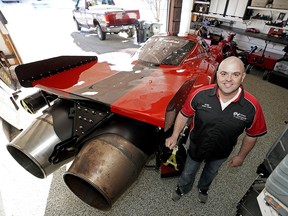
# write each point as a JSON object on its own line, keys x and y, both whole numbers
{"x": 26, "y": 162}
{"x": 87, "y": 192}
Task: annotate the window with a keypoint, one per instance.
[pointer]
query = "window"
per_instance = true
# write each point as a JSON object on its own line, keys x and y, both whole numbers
{"x": 166, "y": 50}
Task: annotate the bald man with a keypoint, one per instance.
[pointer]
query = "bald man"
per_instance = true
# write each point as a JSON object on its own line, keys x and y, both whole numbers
{"x": 220, "y": 114}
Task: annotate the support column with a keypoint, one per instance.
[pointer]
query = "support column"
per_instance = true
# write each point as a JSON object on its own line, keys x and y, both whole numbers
{"x": 186, "y": 14}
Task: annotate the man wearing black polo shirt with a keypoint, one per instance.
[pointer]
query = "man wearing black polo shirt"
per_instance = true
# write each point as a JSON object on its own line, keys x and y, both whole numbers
{"x": 220, "y": 113}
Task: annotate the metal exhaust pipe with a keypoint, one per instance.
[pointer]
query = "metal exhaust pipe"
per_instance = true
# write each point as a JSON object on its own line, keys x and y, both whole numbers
{"x": 104, "y": 169}
{"x": 33, "y": 147}
{"x": 37, "y": 101}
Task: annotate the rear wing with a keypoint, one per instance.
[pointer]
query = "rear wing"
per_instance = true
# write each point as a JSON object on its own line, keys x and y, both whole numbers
{"x": 30, "y": 72}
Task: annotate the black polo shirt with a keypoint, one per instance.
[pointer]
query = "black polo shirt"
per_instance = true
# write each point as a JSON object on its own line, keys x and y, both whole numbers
{"x": 214, "y": 132}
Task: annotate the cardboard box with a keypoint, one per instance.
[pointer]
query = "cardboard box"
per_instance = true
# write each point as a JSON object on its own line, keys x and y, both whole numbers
{"x": 280, "y": 4}
{"x": 259, "y": 3}
{"x": 201, "y": 8}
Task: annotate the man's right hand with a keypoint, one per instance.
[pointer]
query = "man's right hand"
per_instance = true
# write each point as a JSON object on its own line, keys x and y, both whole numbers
{"x": 180, "y": 122}
{"x": 171, "y": 142}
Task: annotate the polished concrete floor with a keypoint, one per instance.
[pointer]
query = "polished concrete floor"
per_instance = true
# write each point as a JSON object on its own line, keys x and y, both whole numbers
{"x": 22, "y": 194}
{"x": 25, "y": 195}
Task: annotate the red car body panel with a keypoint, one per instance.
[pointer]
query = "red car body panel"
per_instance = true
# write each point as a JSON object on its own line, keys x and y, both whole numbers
{"x": 266, "y": 61}
{"x": 141, "y": 92}
{"x": 122, "y": 17}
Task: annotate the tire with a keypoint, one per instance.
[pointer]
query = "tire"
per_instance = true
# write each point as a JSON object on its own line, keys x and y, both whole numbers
{"x": 244, "y": 58}
{"x": 130, "y": 32}
{"x": 266, "y": 75}
{"x": 101, "y": 35}
{"x": 248, "y": 68}
{"x": 78, "y": 27}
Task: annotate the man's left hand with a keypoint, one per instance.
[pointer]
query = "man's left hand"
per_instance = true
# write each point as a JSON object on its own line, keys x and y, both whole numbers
{"x": 236, "y": 161}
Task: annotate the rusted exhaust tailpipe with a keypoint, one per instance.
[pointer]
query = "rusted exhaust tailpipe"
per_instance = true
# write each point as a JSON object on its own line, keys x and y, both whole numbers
{"x": 104, "y": 169}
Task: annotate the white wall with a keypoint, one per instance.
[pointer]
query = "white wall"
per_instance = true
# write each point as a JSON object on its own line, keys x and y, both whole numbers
{"x": 245, "y": 42}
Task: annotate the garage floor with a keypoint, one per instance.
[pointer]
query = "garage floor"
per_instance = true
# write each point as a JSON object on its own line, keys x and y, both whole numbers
{"x": 25, "y": 195}
{"x": 22, "y": 194}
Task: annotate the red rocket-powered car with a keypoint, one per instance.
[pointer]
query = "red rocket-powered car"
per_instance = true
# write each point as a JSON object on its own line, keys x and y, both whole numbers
{"x": 109, "y": 118}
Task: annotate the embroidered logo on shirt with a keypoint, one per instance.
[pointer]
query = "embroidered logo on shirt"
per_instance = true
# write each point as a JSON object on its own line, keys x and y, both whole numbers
{"x": 206, "y": 106}
{"x": 239, "y": 116}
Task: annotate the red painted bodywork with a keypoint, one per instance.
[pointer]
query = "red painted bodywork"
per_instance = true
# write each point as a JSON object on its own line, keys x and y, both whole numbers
{"x": 131, "y": 88}
{"x": 122, "y": 18}
{"x": 266, "y": 61}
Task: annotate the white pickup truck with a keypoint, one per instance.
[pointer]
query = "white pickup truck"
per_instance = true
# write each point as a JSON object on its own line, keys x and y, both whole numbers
{"x": 105, "y": 17}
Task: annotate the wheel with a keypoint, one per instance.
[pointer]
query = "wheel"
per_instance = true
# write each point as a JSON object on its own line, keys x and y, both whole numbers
{"x": 130, "y": 32}
{"x": 248, "y": 68}
{"x": 244, "y": 57}
{"x": 78, "y": 27}
{"x": 266, "y": 75}
{"x": 101, "y": 35}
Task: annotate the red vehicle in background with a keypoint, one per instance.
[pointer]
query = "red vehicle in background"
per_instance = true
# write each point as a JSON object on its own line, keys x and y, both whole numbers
{"x": 263, "y": 59}
{"x": 224, "y": 48}
{"x": 109, "y": 116}
{"x": 253, "y": 30}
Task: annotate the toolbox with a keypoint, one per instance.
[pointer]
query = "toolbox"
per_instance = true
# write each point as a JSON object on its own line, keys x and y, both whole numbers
{"x": 248, "y": 205}
{"x": 275, "y": 185}
{"x": 266, "y": 61}
{"x": 277, "y": 151}
{"x": 277, "y": 182}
